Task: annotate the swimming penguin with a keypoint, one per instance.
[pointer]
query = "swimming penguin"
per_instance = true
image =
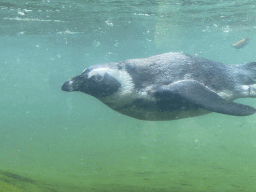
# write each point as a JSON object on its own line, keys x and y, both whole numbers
{"x": 169, "y": 86}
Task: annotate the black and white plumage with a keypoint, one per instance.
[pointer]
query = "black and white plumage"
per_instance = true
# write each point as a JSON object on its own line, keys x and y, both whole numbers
{"x": 169, "y": 86}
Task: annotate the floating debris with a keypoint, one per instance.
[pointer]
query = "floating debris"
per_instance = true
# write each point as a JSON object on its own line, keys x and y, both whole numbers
{"x": 241, "y": 44}
{"x": 67, "y": 32}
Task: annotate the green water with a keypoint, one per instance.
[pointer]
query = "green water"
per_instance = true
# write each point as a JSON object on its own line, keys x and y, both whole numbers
{"x": 56, "y": 141}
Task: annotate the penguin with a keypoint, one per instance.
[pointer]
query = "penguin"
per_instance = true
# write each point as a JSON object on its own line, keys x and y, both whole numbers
{"x": 169, "y": 86}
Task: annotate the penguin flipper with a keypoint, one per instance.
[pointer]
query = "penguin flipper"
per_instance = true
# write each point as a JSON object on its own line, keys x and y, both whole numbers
{"x": 198, "y": 95}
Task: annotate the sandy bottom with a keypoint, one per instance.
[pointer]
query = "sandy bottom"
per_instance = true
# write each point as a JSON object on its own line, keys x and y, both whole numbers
{"x": 166, "y": 179}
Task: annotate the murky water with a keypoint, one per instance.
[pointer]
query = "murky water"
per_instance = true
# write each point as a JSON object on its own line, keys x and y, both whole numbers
{"x": 56, "y": 141}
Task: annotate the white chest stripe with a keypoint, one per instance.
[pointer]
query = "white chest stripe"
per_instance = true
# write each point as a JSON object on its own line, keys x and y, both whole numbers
{"x": 127, "y": 86}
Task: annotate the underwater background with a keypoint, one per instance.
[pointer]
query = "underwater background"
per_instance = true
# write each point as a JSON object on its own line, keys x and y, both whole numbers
{"x": 53, "y": 141}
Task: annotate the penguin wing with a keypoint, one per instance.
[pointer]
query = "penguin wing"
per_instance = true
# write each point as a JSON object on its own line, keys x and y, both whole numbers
{"x": 194, "y": 94}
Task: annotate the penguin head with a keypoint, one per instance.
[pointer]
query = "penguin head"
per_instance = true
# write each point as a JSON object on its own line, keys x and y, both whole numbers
{"x": 97, "y": 82}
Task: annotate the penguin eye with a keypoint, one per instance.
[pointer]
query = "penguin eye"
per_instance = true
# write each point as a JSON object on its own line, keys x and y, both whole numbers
{"x": 99, "y": 77}
{"x": 97, "y": 74}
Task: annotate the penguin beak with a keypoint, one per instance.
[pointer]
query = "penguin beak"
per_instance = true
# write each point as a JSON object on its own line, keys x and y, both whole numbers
{"x": 67, "y": 86}
{"x": 74, "y": 84}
